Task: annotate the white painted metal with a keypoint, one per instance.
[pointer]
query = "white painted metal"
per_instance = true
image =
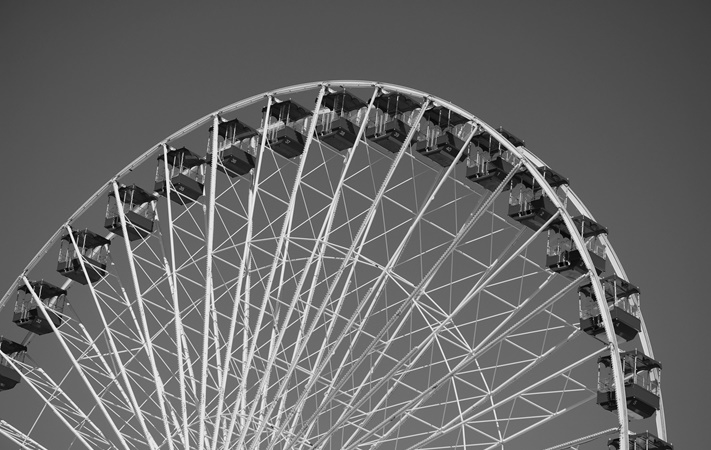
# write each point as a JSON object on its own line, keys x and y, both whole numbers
{"x": 423, "y": 346}
{"x": 359, "y": 241}
{"x": 51, "y": 394}
{"x": 70, "y": 355}
{"x": 468, "y": 418}
{"x": 322, "y": 242}
{"x": 283, "y": 241}
{"x": 597, "y": 287}
{"x": 147, "y": 340}
{"x": 18, "y": 437}
{"x": 281, "y": 413}
{"x": 644, "y": 334}
{"x": 541, "y": 422}
{"x": 583, "y": 439}
{"x": 281, "y": 244}
{"x": 485, "y": 345}
{"x": 209, "y": 298}
{"x": 171, "y": 273}
{"x": 244, "y": 264}
{"x": 386, "y": 270}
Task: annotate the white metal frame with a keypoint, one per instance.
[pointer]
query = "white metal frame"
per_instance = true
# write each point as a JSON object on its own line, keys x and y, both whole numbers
{"x": 218, "y": 370}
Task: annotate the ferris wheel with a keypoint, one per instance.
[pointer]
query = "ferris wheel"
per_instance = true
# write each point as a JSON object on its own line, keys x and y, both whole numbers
{"x": 340, "y": 264}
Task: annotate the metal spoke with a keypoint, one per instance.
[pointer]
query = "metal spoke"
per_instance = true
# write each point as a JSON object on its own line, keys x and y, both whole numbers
{"x": 321, "y": 243}
{"x": 18, "y": 437}
{"x": 342, "y": 290}
{"x": 359, "y": 241}
{"x": 283, "y": 241}
{"x": 60, "y": 404}
{"x": 139, "y": 297}
{"x": 404, "y": 309}
{"x": 244, "y": 273}
{"x": 77, "y": 366}
{"x": 209, "y": 297}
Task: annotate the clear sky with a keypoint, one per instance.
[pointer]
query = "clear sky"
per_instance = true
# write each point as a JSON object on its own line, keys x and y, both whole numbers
{"x": 613, "y": 95}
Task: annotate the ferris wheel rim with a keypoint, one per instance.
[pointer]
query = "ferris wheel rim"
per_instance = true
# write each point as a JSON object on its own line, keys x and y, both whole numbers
{"x": 528, "y": 159}
{"x": 106, "y": 187}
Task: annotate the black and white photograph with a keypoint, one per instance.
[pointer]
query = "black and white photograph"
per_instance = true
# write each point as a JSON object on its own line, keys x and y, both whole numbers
{"x": 394, "y": 225}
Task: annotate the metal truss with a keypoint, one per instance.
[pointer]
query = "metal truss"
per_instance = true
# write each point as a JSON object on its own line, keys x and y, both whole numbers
{"x": 361, "y": 297}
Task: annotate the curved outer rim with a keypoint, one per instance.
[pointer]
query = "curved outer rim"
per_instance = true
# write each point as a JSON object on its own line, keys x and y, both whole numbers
{"x": 529, "y": 160}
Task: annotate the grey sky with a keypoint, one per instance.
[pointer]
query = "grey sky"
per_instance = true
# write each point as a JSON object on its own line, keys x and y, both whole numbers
{"x": 613, "y": 95}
